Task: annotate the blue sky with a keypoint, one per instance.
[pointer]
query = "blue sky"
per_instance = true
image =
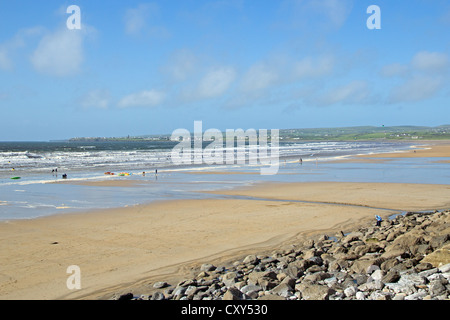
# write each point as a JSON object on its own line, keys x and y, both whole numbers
{"x": 139, "y": 67}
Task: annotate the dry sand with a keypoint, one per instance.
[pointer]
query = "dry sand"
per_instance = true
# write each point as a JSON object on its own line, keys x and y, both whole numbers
{"x": 132, "y": 246}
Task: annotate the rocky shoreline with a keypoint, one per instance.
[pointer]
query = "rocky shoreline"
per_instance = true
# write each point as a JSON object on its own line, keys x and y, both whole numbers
{"x": 405, "y": 258}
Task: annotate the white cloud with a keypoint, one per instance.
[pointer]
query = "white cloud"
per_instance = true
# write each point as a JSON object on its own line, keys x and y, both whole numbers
{"x": 423, "y": 77}
{"x": 323, "y": 15}
{"x": 416, "y": 89}
{"x": 96, "y": 99}
{"x": 146, "y": 98}
{"x": 216, "y": 82}
{"x": 309, "y": 67}
{"x": 5, "y": 61}
{"x": 355, "y": 92}
{"x": 394, "y": 69}
{"x": 430, "y": 61}
{"x": 59, "y": 53}
{"x": 137, "y": 20}
{"x": 335, "y": 11}
{"x": 182, "y": 64}
{"x": 8, "y": 48}
{"x": 259, "y": 77}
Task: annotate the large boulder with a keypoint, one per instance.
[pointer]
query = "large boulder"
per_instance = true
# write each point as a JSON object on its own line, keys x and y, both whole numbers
{"x": 314, "y": 291}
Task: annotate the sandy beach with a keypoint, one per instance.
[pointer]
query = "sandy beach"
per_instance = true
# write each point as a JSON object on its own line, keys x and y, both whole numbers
{"x": 425, "y": 149}
{"x": 129, "y": 247}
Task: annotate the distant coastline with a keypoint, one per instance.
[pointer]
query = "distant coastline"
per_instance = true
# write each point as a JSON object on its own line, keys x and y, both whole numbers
{"x": 323, "y": 134}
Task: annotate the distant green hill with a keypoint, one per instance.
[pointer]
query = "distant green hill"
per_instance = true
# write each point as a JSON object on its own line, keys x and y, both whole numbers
{"x": 322, "y": 134}
{"x": 368, "y": 133}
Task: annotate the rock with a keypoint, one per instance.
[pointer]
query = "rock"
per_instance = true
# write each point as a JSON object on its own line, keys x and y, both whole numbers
{"x": 361, "y": 250}
{"x": 289, "y": 281}
{"x": 350, "y": 291}
{"x": 389, "y": 264}
{"x": 126, "y": 296}
{"x": 292, "y": 271}
{"x": 353, "y": 236}
{"x": 361, "y": 266}
{"x": 267, "y": 283}
{"x": 411, "y": 280}
{"x": 202, "y": 274}
{"x": 233, "y": 294}
{"x": 436, "y": 288}
{"x": 281, "y": 276}
{"x": 271, "y": 297}
{"x": 283, "y": 289}
{"x": 428, "y": 272}
{"x": 406, "y": 241}
{"x": 308, "y": 244}
{"x": 377, "y": 275}
{"x": 360, "y": 295}
{"x": 255, "y": 276}
{"x": 439, "y": 257}
{"x": 416, "y": 296}
{"x": 400, "y": 288}
{"x": 318, "y": 276}
{"x": 359, "y": 279}
{"x": 438, "y": 241}
{"x": 179, "y": 292}
{"x": 158, "y": 296}
{"x": 445, "y": 268}
{"x": 393, "y": 253}
{"x": 309, "y": 254}
{"x": 187, "y": 283}
{"x": 399, "y": 296}
{"x": 251, "y": 290}
{"x": 315, "y": 268}
{"x": 372, "y": 268}
{"x": 207, "y": 267}
{"x": 380, "y": 295}
{"x": 370, "y": 286}
{"x": 423, "y": 266}
{"x": 392, "y": 236}
{"x": 251, "y": 259}
{"x": 190, "y": 291}
{"x": 160, "y": 284}
{"x": 316, "y": 260}
{"x": 314, "y": 291}
{"x": 391, "y": 276}
{"x": 229, "y": 279}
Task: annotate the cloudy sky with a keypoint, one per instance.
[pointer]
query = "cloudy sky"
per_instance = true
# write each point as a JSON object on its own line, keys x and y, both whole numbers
{"x": 139, "y": 67}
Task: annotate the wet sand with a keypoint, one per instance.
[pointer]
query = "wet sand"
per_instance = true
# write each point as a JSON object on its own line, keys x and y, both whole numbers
{"x": 424, "y": 149}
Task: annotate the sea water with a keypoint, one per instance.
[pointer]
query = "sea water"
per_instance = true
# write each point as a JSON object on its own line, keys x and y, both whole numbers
{"x": 36, "y": 193}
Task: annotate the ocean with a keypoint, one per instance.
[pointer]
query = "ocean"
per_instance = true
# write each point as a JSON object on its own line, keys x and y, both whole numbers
{"x": 40, "y": 164}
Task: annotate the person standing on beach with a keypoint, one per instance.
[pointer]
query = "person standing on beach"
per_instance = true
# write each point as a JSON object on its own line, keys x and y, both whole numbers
{"x": 379, "y": 219}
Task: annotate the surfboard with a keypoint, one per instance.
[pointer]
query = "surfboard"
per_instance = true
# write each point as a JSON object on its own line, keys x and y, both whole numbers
{"x": 15, "y": 178}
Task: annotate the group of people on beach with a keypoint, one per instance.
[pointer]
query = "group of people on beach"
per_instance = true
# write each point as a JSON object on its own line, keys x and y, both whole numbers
{"x": 55, "y": 172}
